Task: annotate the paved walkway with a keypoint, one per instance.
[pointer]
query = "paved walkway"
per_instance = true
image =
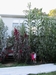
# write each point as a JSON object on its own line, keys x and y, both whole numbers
{"x": 24, "y": 70}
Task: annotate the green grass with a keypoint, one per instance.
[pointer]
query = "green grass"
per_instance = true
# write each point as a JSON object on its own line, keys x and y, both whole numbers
{"x": 12, "y": 64}
{"x": 51, "y": 73}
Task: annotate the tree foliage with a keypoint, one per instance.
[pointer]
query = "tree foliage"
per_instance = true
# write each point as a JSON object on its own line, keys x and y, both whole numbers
{"x": 3, "y": 34}
{"x": 21, "y": 44}
{"x": 52, "y": 13}
{"x": 42, "y": 38}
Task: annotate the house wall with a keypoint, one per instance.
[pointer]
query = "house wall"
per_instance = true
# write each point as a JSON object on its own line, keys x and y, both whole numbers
{"x": 10, "y": 20}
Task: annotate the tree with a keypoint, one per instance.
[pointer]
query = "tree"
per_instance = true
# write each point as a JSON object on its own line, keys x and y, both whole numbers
{"x": 43, "y": 40}
{"x": 34, "y": 16}
{"x": 21, "y": 45}
{"x": 52, "y": 12}
{"x": 3, "y": 34}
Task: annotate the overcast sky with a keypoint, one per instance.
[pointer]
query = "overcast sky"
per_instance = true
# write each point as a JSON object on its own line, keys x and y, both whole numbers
{"x": 17, "y": 6}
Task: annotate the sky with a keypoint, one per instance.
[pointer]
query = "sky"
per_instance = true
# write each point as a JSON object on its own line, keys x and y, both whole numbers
{"x": 17, "y": 6}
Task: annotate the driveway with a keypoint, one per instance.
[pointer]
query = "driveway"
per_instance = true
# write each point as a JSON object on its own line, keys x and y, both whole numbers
{"x": 24, "y": 70}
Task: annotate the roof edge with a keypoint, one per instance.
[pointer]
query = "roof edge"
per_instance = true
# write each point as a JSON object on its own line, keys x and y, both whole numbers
{"x": 12, "y": 16}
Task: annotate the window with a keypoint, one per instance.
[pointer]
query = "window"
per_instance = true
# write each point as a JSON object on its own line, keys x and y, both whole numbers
{"x": 15, "y": 23}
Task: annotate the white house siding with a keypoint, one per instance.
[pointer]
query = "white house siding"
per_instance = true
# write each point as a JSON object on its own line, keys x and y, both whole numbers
{"x": 9, "y": 20}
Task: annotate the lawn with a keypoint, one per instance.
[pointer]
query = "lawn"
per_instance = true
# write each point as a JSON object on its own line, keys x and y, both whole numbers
{"x": 11, "y": 64}
{"x": 51, "y": 73}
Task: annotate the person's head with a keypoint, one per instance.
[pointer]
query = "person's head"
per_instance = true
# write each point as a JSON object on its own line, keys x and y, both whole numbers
{"x": 33, "y": 52}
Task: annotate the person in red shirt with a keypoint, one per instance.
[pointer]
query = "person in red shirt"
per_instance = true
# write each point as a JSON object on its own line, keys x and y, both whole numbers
{"x": 33, "y": 57}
